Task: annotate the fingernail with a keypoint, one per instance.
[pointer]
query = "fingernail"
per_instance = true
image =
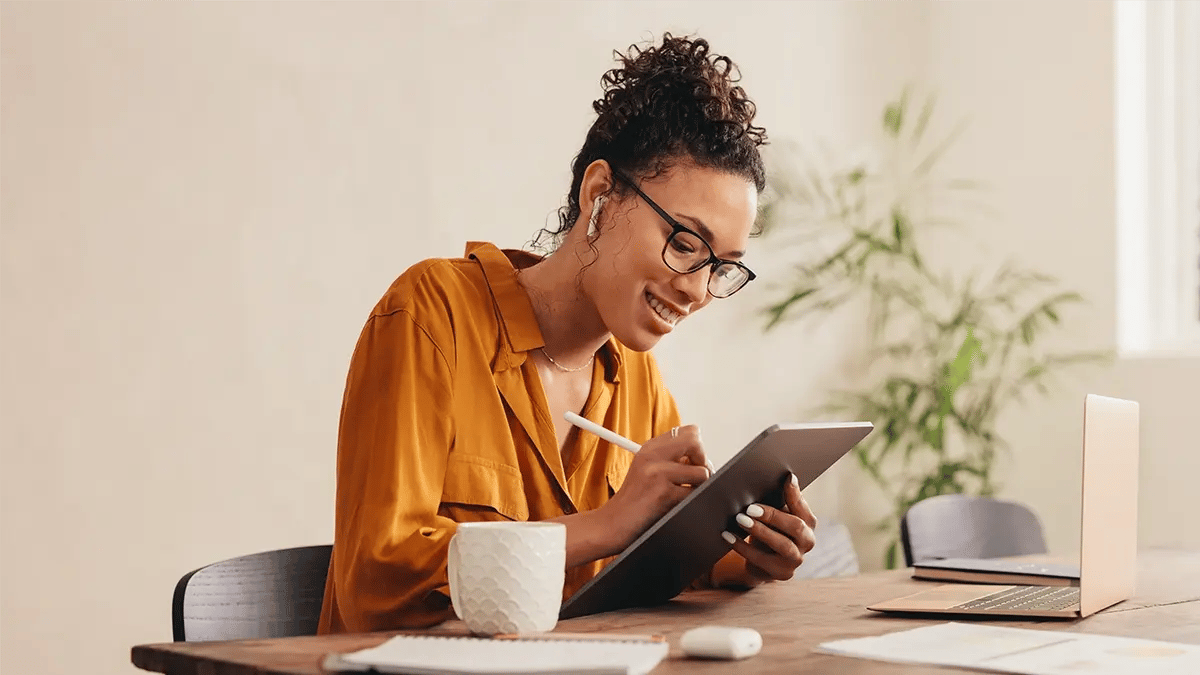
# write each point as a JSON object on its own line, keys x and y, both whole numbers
{"x": 729, "y": 538}
{"x": 795, "y": 481}
{"x": 744, "y": 521}
{"x": 754, "y": 511}
{"x": 711, "y": 469}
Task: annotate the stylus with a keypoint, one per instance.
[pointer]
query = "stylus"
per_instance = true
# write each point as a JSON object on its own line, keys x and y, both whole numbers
{"x": 610, "y": 436}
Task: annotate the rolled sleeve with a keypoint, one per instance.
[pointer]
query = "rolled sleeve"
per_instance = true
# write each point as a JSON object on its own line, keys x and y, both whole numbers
{"x": 390, "y": 544}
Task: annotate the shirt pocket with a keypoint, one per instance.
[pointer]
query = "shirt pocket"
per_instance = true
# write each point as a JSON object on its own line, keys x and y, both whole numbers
{"x": 615, "y": 470}
{"x": 479, "y": 484}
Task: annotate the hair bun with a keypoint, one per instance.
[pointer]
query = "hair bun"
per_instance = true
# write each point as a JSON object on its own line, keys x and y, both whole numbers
{"x": 664, "y": 104}
{"x": 678, "y": 84}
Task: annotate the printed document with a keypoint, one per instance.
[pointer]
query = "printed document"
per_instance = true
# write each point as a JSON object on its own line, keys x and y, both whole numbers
{"x": 1023, "y": 651}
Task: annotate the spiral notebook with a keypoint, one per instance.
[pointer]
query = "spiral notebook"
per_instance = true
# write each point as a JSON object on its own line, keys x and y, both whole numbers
{"x": 441, "y": 655}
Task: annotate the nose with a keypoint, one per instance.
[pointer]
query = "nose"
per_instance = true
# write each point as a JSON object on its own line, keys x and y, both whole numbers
{"x": 694, "y": 285}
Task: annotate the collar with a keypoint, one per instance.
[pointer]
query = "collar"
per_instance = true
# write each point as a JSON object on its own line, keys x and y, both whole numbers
{"x": 518, "y": 323}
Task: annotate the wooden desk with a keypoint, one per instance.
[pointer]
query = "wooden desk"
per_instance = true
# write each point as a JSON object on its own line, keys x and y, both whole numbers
{"x": 792, "y": 617}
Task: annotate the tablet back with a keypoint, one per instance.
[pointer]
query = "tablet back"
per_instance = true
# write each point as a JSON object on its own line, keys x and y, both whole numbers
{"x": 686, "y": 542}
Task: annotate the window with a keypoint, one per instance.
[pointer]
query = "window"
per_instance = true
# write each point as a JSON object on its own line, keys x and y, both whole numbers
{"x": 1158, "y": 176}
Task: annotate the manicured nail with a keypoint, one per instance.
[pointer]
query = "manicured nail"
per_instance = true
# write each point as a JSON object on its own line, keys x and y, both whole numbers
{"x": 744, "y": 521}
{"x": 795, "y": 481}
{"x": 754, "y": 511}
{"x": 711, "y": 469}
{"x": 729, "y": 538}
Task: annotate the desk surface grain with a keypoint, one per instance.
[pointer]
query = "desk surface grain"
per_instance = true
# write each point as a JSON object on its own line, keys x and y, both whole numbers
{"x": 793, "y": 618}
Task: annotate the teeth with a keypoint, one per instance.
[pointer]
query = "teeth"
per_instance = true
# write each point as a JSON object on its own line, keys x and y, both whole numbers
{"x": 666, "y": 313}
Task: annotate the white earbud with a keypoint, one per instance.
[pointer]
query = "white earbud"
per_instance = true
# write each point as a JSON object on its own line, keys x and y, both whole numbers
{"x": 593, "y": 222}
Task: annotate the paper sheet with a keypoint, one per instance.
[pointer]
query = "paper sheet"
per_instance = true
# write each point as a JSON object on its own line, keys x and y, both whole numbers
{"x": 1024, "y": 651}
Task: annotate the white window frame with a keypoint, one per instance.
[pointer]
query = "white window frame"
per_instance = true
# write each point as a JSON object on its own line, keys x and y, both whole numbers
{"x": 1158, "y": 176}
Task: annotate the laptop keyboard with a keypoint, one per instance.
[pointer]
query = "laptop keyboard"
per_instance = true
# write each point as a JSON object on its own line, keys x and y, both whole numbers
{"x": 1028, "y": 598}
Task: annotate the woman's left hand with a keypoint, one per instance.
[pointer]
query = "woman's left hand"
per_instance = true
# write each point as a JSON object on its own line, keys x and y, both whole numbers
{"x": 779, "y": 538}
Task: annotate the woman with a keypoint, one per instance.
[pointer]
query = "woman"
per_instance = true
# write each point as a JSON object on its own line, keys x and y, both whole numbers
{"x": 454, "y": 403}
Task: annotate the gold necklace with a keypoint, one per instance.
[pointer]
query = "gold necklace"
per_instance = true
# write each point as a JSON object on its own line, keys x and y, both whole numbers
{"x": 564, "y": 368}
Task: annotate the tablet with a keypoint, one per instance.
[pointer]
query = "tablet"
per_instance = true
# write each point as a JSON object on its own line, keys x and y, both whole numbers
{"x": 686, "y": 542}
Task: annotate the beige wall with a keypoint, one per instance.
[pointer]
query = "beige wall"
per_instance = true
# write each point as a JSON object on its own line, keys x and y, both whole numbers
{"x": 1035, "y": 80}
{"x": 202, "y": 201}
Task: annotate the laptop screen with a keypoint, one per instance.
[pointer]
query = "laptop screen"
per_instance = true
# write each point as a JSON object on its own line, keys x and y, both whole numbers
{"x": 1108, "y": 528}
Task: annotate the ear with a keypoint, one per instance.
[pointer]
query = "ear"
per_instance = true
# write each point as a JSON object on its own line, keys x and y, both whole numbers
{"x": 597, "y": 181}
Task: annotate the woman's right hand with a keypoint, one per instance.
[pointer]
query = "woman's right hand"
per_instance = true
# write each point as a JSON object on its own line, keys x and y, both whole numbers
{"x": 662, "y": 473}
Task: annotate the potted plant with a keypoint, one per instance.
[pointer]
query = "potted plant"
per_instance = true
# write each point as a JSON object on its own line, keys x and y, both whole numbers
{"x": 945, "y": 354}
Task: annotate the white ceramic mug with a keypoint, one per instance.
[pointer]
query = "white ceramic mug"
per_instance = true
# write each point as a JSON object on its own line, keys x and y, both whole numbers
{"x": 507, "y": 577}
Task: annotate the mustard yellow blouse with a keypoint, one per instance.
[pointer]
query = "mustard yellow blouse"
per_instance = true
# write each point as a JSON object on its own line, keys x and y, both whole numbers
{"x": 444, "y": 420}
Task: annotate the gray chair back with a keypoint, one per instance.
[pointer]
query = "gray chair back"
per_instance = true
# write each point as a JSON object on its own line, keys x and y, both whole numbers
{"x": 833, "y": 556}
{"x": 962, "y": 526}
{"x": 262, "y": 595}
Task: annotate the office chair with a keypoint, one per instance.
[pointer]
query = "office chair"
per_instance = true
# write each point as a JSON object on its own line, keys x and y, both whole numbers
{"x": 961, "y": 526}
{"x": 262, "y": 595}
{"x": 833, "y": 556}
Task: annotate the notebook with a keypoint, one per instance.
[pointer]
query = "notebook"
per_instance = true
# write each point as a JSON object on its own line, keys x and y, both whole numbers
{"x": 997, "y": 571}
{"x": 454, "y": 655}
{"x": 1107, "y": 538}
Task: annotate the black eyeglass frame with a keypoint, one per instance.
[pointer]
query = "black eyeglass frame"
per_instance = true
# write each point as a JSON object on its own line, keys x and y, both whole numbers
{"x": 676, "y": 227}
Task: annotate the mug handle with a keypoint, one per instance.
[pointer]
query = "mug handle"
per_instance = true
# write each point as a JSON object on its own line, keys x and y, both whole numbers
{"x": 452, "y": 573}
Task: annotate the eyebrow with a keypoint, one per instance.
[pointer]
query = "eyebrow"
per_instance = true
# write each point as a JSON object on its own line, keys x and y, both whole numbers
{"x": 698, "y": 224}
{"x": 700, "y": 227}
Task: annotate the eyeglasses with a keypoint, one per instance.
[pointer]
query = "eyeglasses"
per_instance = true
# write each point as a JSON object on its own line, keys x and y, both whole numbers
{"x": 686, "y": 252}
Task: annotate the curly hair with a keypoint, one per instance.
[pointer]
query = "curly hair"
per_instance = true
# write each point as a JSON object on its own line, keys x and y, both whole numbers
{"x": 667, "y": 104}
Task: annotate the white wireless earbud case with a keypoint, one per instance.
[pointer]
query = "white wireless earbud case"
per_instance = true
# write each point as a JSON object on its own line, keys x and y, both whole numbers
{"x": 721, "y": 642}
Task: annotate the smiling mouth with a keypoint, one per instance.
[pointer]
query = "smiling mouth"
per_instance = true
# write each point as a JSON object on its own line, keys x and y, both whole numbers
{"x": 665, "y": 313}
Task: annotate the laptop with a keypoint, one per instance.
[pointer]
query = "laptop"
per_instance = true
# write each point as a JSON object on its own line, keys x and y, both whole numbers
{"x": 1107, "y": 534}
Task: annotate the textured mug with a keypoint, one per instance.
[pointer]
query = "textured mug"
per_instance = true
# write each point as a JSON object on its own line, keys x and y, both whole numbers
{"x": 507, "y": 577}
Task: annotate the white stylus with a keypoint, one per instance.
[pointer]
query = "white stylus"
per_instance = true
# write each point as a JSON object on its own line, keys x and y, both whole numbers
{"x": 611, "y": 436}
